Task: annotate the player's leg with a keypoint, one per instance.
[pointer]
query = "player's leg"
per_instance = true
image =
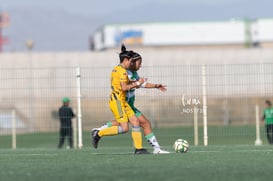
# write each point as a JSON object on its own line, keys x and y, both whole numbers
{"x": 142, "y": 123}
{"x": 137, "y": 136}
{"x": 108, "y": 125}
{"x": 114, "y": 130}
{"x": 147, "y": 130}
{"x": 70, "y": 137}
{"x": 62, "y": 136}
{"x": 118, "y": 111}
{"x": 149, "y": 135}
{"x": 267, "y": 132}
{"x": 271, "y": 133}
{"x": 136, "y": 132}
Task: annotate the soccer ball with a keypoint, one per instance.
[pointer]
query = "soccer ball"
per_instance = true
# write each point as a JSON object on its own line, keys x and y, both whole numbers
{"x": 181, "y": 146}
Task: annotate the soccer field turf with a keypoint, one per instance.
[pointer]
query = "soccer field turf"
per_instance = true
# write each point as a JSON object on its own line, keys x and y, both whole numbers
{"x": 230, "y": 156}
{"x": 118, "y": 163}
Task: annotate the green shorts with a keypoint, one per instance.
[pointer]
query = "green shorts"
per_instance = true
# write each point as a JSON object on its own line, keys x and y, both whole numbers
{"x": 131, "y": 102}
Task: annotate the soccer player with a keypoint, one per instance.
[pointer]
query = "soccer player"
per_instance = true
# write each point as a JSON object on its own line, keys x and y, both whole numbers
{"x": 130, "y": 98}
{"x": 65, "y": 115}
{"x": 118, "y": 105}
{"x": 268, "y": 119}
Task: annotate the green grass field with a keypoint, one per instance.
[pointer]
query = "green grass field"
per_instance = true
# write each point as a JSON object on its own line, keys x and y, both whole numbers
{"x": 39, "y": 159}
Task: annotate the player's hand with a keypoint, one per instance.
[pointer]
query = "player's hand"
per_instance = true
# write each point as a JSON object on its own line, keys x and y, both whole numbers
{"x": 161, "y": 87}
{"x": 140, "y": 82}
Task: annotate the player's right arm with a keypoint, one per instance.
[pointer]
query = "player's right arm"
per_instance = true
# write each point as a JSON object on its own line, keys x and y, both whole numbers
{"x": 125, "y": 83}
{"x": 126, "y": 87}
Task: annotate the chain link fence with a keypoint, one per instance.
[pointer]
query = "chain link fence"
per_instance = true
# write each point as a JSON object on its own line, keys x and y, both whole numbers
{"x": 232, "y": 92}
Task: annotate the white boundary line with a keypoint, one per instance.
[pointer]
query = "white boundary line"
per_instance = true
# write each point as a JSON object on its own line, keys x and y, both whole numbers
{"x": 230, "y": 151}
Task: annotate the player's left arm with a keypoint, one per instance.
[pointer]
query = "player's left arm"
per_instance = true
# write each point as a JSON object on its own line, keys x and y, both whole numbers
{"x": 160, "y": 87}
{"x": 146, "y": 84}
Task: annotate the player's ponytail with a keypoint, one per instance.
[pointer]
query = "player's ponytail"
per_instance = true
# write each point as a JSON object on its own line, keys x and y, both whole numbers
{"x": 124, "y": 53}
{"x": 123, "y": 48}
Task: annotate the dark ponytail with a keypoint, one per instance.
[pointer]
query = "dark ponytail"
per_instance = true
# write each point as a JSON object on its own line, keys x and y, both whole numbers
{"x": 123, "y": 48}
{"x": 124, "y": 53}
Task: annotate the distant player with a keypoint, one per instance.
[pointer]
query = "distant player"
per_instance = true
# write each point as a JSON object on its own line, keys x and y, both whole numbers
{"x": 268, "y": 120}
{"x": 65, "y": 115}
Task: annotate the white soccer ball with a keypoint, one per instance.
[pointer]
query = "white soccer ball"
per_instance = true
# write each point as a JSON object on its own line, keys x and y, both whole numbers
{"x": 181, "y": 146}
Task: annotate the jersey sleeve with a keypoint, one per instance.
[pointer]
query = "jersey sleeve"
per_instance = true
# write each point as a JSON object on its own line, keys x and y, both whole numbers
{"x": 130, "y": 75}
{"x": 123, "y": 76}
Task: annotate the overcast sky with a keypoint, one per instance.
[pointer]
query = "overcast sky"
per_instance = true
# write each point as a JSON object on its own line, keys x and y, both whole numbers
{"x": 93, "y": 8}
{"x": 54, "y": 17}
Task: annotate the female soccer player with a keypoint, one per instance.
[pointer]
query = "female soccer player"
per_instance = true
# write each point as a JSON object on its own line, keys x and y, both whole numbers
{"x": 130, "y": 98}
{"x": 118, "y": 105}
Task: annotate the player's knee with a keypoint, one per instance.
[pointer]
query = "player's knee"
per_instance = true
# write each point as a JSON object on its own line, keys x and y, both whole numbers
{"x": 123, "y": 128}
{"x": 145, "y": 123}
{"x": 134, "y": 121}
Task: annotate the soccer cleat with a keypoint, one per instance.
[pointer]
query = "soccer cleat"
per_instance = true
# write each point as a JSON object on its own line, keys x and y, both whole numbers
{"x": 141, "y": 151}
{"x": 95, "y": 137}
{"x": 160, "y": 151}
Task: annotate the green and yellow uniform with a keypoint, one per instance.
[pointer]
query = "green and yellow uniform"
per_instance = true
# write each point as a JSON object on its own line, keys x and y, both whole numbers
{"x": 118, "y": 105}
{"x": 130, "y": 95}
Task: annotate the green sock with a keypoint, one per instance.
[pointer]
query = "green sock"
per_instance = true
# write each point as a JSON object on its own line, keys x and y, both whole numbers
{"x": 107, "y": 125}
{"x": 152, "y": 140}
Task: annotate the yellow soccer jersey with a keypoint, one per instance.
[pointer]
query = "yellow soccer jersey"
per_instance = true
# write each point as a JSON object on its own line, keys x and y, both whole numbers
{"x": 119, "y": 75}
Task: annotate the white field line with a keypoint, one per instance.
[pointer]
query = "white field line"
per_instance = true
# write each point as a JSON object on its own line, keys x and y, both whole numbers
{"x": 238, "y": 151}
{"x": 38, "y": 154}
